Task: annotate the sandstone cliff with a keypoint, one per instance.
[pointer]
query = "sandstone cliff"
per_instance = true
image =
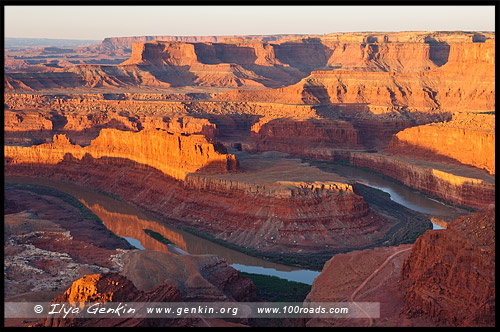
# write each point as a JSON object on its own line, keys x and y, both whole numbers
{"x": 173, "y": 154}
{"x": 149, "y": 276}
{"x": 399, "y": 57}
{"x": 356, "y": 98}
{"x": 125, "y": 44}
{"x": 408, "y": 70}
{"x": 272, "y": 205}
{"x": 446, "y": 278}
{"x": 82, "y": 116}
{"x": 469, "y": 83}
{"x": 114, "y": 44}
{"x": 410, "y": 37}
{"x": 33, "y": 124}
{"x": 311, "y": 134}
{"x": 171, "y": 64}
{"x": 468, "y": 139}
{"x": 449, "y": 275}
{"x": 36, "y": 118}
{"x": 459, "y": 185}
{"x": 112, "y": 287}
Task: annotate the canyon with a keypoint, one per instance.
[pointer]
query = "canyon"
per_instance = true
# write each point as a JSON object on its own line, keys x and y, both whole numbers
{"x": 48, "y": 240}
{"x": 222, "y": 136}
{"x": 300, "y": 207}
{"x": 423, "y": 284}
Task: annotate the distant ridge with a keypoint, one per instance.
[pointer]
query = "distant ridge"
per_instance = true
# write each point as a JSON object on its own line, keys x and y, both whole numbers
{"x": 39, "y": 42}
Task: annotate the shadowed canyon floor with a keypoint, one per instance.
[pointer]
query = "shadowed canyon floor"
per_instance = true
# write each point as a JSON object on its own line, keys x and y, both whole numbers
{"x": 219, "y": 150}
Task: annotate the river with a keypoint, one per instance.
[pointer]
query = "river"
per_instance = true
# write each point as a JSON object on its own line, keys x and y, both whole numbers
{"x": 128, "y": 222}
{"x": 400, "y": 194}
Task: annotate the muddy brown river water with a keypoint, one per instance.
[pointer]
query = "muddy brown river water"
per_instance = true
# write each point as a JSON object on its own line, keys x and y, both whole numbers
{"x": 128, "y": 222}
{"x": 400, "y": 194}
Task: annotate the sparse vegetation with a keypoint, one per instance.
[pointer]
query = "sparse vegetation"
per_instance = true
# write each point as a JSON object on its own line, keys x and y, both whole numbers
{"x": 42, "y": 190}
{"x": 274, "y": 289}
{"x": 105, "y": 193}
{"x": 308, "y": 261}
{"x": 157, "y": 236}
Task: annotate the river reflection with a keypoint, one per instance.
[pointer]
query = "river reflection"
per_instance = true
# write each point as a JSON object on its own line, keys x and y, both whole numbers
{"x": 128, "y": 222}
{"x": 400, "y": 194}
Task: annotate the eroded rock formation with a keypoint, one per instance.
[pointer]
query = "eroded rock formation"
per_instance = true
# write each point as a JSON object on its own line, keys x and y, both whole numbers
{"x": 276, "y": 135}
{"x": 173, "y": 154}
{"x": 402, "y": 72}
{"x": 112, "y": 287}
{"x": 446, "y": 278}
{"x": 125, "y": 44}
{"x": 449, "y": 275}
{"x": 467, "y": 138}
{"x": 143, "y": 119}
{"x": 200, "y": 278}
{"x": 464, "y": 186}
{"x": 469, "y": 84}
{"x": 149, "y": 276}
{"x": 262, "y": 207}
{"x": 275, "y": 201}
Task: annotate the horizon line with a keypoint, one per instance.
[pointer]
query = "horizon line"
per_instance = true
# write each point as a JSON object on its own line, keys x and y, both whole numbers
{"x": 236, "y": 35}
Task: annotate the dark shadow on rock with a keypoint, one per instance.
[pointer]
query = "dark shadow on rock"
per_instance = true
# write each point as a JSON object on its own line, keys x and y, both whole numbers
{"x": 173, "y": 75}
{"x": 315, "y": 95}
{"x": 399, "y": 147}
{"x": 58, "y": 121}
{"x": 231, "y": 125}
{"x": 307, "y": 55}
{"x": 217, "y": 166}
{"x": 211, "y": 54}
{"x": 376, "y": 130}
{"x": 438, "y": 51}
{"x": 269, "y": 76}
{"x": 45, "y": 80}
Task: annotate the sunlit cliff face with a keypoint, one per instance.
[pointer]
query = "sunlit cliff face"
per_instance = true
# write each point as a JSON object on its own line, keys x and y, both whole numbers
{"x": 220, "y": 137}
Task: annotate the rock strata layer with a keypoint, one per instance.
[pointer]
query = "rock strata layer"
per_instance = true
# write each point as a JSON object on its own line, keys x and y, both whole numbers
{"x": 270, "y": 203}
{"x": 467, "y": 138}
{"x": 462, "y": 186}
{"x": 450, "y": 274}
{"x": 175, "y": 155}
